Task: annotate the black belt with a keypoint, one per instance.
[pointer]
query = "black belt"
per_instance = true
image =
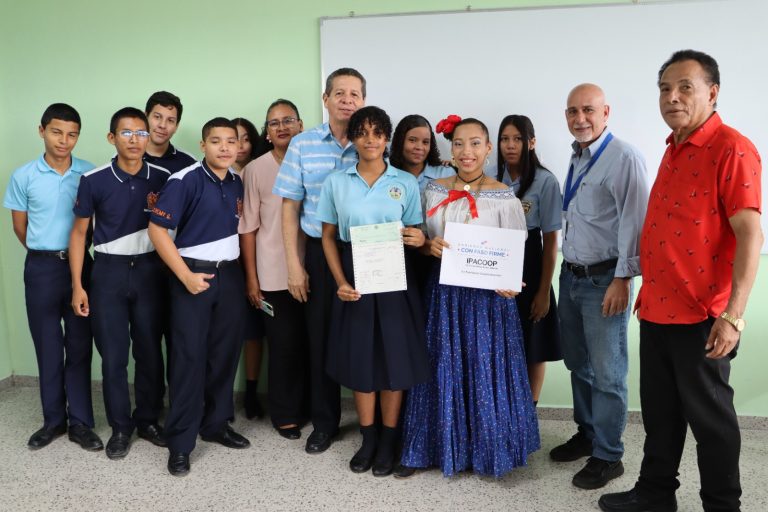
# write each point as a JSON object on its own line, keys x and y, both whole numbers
{"x": 591, "y": 270}
{"x": 62, "y": 255}
{"x": 123, "y": 258}
{"x": 194, "y": 264}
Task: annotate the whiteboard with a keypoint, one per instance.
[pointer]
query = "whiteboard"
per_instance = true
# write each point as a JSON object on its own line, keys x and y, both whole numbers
{"x": 487, "y": 64}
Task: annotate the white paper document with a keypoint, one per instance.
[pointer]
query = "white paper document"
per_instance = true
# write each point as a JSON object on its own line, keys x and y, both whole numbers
{"x": 483, "y": 257}
{"x": 378, "y": 258}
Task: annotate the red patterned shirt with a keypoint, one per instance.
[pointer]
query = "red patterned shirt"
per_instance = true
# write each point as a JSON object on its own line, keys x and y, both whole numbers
{"x": 687, "y": 245}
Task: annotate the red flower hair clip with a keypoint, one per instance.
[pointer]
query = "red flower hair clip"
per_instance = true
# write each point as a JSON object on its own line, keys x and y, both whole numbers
{"x": 446, "y": 126}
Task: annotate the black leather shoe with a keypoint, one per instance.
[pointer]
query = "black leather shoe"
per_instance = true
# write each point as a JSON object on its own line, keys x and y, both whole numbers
{"x": 229, "y": 438}
{"x": 291, "y": 433}
{"x": 401, "y": 471}
{"x": 318, "y": 442}
{"x": 597, "y": 473}
{"x": 360, "y": 463}
{"x": 118, "y": 445}
{"x": 85, "y": 437}
{"x": 153, "y": 433}
{"x": 178, "y": 464}
{"x": 633, "y": 501}
{"x": 383, "y": 466}
{"x": 45, "y": 435}
{"x": 575, "y": 448}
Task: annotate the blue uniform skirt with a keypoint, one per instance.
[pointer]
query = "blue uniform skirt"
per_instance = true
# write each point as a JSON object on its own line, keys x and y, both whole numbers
{"x": 377, "y": 343}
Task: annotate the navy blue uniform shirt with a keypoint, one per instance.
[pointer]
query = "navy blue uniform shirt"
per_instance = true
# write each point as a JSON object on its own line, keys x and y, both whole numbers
{"x": 173, "y": 159}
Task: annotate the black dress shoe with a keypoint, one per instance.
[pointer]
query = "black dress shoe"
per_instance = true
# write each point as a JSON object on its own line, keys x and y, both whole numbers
{"x": 597, "y": 473}
{"x": 383, "y": 466}
{"x": 633, "y": 501}
{"x": 178, "y": 464}
{"x": 401, "y": 471}
{"x": 45, "y": 435}
{"x": 291, "y": 433}
{"x": 118, "y": 445}
{"x": 318, "y": 442}
{"x": 153, "y": 433}
{"x": 229, "y": 438}
{"x": 360, "y": 463}
{"x": 575, "y": 448}
{"x": 85, "y": 437}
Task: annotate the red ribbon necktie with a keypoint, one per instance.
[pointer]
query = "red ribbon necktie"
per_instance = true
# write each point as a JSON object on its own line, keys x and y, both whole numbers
{"x": 455, "y": 195}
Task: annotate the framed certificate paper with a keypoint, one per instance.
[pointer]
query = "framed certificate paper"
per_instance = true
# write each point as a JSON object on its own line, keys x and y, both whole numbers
{"x": 378, "y": 258}
{"x": 483, "y": 257}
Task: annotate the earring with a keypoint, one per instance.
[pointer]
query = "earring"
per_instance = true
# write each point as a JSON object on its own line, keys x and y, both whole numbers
{"x": 487, "y": 161}
{"x": 453, "y": 163}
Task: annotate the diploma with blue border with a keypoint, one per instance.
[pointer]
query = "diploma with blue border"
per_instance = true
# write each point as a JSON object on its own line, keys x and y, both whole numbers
{"x": 378, "y": 257}
{"x": 483, "y": 257}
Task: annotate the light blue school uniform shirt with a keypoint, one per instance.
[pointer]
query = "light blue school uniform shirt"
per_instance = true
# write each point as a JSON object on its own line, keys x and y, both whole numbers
{"x": 346, "y": 200}
{"x": 542, "y": 202}
{"x": 606, "y": 215}
{"x": 311, "y": 157}
{"x": 48, "y": 198}
{"x": 432, "y": 172}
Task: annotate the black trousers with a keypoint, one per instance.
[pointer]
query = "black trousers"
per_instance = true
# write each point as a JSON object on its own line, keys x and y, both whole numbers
{"x": 287, "y": 359}
{"x": 128, "y": 312}
{"x": 63, "y": 355}
{"x": 680, "y": 387}
{"x": 207, "y": 337}
{"x": 325, "y": 392}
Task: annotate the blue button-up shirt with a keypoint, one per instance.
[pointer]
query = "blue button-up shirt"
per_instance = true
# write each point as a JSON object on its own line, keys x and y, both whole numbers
{"x": 542, "y": 202}
{"x": 48, "y": 198}
{"x": 311, "y": 157}
{"x": 606, "y": 215}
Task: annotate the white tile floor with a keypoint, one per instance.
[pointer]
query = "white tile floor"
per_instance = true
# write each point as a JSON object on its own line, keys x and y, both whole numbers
{"x": 276, "y": 474}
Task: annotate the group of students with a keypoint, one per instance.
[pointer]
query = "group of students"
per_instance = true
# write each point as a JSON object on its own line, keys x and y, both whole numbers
{"x": 263, "y": 222}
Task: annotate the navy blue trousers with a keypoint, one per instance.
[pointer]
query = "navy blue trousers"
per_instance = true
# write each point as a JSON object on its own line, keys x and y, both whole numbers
{"x": 128, "y": 310}
{"x": 207, "y": 333}
{"x": 63, "y": 355}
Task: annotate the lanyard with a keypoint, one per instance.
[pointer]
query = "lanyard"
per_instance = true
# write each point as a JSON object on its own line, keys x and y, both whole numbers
{"x": 570, "y": 190}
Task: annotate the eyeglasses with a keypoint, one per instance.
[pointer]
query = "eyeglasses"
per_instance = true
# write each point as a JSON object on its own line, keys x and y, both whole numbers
{"x": 288, "y": 122}
{"x": 141, "y": 134}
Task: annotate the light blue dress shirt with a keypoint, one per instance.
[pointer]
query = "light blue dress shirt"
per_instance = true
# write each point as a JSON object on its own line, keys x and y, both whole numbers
{"x": 311, "y": 157}
{"x": 48, "y": 198}
{"x": 606, "y": 215}
{"x": 346, "y": 200}
{"x": 542, "y": 202}
{"x": 432, "y": 172}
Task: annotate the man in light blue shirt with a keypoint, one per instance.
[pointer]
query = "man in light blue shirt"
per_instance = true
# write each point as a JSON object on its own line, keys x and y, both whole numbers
{"x": 311, "y": 157}
{"x": 604, "y": 203}
{"x": 41, "y": 195}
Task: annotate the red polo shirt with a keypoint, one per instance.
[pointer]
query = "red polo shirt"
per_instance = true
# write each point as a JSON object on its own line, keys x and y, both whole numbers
{"x": 687, "y": 245}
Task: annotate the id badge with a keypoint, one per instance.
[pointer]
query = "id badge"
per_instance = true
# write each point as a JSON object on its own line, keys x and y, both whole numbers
{"x": 267, "y": 308}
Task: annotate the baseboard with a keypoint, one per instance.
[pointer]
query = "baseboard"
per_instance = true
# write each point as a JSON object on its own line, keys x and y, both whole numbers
{"x": 6, "y": 382}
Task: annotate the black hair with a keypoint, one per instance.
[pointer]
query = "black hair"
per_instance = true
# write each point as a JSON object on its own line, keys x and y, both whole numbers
{"x": 165, "y": 99}
{"x": 127, "y": 112}
{"x": 376, "y": 117}
{"x": 266, "y": 144}
{"x": 529, "y": 161}
{"x": 470, "y": 120}
{"x": 253, "y": 137}
{"x": 60, "y": 111}
{"x": 405, "y": 125}
{"x": 343, "y": 72}
{"x": 218, "y": 122}
{"x": 708, "y": 63}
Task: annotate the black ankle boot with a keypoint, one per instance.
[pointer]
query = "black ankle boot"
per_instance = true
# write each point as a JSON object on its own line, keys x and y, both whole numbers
{"x": 252, "y": 406}
{"x": 385, "y": 455}
{"x": 362, "y": 460}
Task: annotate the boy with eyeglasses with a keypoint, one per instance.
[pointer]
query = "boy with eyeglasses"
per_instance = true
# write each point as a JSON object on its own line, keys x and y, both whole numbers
{"x": 127, "y": 298}
{"x": 40, "y": 196}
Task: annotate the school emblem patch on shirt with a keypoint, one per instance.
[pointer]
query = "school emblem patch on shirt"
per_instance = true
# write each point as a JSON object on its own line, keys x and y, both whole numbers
{"x": 239, "y": 211}
{"x": 152, "y": 200}
{"x": 395, "y": 193}
{"x": 526, "y": 205}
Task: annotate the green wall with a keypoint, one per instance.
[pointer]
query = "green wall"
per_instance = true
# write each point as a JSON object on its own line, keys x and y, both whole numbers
{"x": 228, "y": 59}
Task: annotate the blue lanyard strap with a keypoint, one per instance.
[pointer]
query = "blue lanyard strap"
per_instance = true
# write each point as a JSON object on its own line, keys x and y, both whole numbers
{"x": 570, "y": 190}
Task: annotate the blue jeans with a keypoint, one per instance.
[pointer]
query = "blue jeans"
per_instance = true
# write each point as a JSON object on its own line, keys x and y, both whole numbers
{"x": 595, "y": 351}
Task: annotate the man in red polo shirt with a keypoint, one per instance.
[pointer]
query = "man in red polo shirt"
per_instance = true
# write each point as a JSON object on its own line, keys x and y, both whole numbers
{"x": 699, "y": 251}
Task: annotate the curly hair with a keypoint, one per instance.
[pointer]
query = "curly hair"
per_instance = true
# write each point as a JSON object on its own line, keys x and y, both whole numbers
{"x": 405, "y": 125}
{"x": 375, "y": 116}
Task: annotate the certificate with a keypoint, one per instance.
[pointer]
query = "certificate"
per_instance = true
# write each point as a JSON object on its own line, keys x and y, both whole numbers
{"x": 483, "y": 257}
{"x": 378, "y": 257}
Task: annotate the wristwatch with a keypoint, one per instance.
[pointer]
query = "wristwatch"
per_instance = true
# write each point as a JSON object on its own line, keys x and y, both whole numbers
{"x": 737, "y": 323}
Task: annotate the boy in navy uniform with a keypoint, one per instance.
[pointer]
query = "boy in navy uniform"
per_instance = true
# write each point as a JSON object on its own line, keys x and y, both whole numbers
{"x": 204, "y": 203}
{"x": 127, "y": 300}
{"x": 40, "y": 196}
{"x": 164, "y": 115}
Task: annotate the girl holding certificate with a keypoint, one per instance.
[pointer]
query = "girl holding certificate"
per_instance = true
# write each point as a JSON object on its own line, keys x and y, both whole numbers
{"x": 377, "y": 342}
{"x": 542, "y": 202}
{"x": 476, "y": 411}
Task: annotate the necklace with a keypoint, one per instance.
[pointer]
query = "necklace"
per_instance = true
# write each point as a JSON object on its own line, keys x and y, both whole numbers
{"x": 467, "y": 189}
{"x": 467, "y": 185}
